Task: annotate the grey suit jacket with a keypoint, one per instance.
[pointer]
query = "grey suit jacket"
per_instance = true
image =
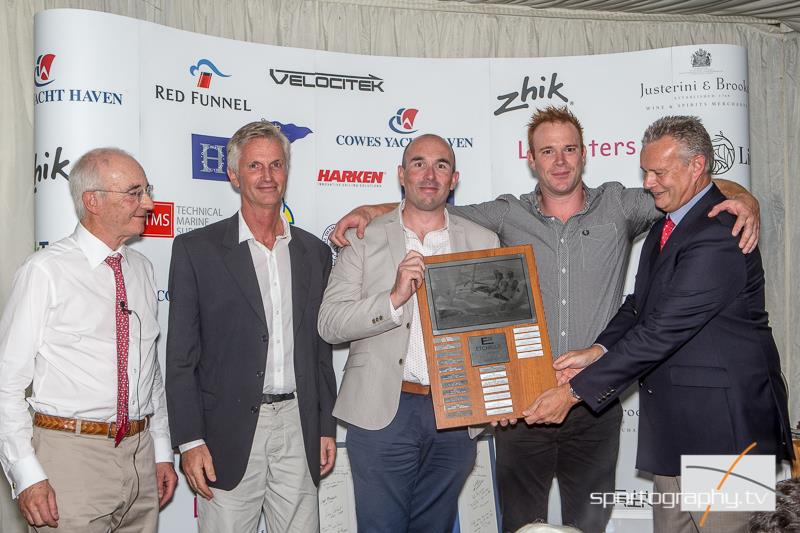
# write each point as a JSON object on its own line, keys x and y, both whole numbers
{"x": 356, "y": 309}
{"x": 217, "y": 345}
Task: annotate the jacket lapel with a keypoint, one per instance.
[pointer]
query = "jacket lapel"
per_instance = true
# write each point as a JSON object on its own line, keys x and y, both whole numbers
{"x": 301, "y": 274}
{"x": 458, "y": 238}
{"x": 240, "y": 264}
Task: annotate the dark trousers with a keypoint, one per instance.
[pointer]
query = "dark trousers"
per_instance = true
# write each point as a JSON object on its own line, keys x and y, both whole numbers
{"x": 581, "y": 452}
{"x": 407, "y": 476}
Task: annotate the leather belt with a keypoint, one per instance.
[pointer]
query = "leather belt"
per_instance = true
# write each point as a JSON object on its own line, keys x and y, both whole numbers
{"x": 415, "y": 388}
{"x": 275, "y": 398}
{"x": 87, "y": 427}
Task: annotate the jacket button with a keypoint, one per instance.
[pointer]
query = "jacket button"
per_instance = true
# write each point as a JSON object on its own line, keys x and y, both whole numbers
{"x": 408, "y": 325}
{"x": 260, "y": 374}
{"x": 254, "y": 409}
{"x": 400, "y": 361}
{"x": 649, "y": 391}
{"x": 263, "y": 338}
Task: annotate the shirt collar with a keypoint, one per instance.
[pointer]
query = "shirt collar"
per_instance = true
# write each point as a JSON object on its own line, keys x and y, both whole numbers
{"x": 93, "y": 248}
{"x": 589, "y": 196}
{"x": 245, "y": 234}
{"x": 400, "y": 216}
{"x": 677, "y": 215}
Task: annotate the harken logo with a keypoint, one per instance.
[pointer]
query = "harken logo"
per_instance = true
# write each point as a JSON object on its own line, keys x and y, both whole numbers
{"x": 41, "y": 74}
{"x": 701, "y": 58}
{"x": 204, "y": 70}
{"x": 403, "y": 120}
{"x": 160, "y": 221}
{"x": 209, "y": 152}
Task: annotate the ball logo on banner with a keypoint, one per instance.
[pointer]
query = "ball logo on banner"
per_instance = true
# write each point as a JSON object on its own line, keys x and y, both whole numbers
{"x": 403, "y": 121}
{"x": 42, "y": 71}
{"x": 326, "y": 238}
{"x": 203, "y": 75}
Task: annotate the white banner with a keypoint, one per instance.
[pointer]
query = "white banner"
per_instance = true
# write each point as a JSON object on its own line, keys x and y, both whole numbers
{"x": 173, "y": 98}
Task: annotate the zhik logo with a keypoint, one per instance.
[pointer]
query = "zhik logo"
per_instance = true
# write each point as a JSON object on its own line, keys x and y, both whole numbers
{"x": 42, "y": 71}
{"x": 403, "y": 120}
{"x": 203, "y": 70}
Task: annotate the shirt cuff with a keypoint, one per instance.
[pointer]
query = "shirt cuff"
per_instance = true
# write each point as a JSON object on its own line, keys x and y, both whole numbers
{"x": 163, "y": 450}
{"x": 189, "y": 445}
{"x": 397, "y": 314}
{"x": 605, "y": 350}
{"x": 25, "y": 473}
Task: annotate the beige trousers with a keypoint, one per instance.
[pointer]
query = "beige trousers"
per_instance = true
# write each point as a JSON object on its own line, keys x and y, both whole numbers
{"x": 276, "y": 481}
{"x": 670, "y": 519}
{"x": 100, "y": 488}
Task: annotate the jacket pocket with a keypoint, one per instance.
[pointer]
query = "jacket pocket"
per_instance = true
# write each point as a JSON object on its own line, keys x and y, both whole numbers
{"x": 699, "y": 376}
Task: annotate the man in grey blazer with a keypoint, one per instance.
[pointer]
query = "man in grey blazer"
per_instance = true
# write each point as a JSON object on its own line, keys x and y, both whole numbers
{"x": 406, "y": 474}
{"x": 250, "y": 385}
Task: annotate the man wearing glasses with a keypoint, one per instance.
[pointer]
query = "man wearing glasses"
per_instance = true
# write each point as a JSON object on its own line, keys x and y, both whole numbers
{"x": 80, "y": 327}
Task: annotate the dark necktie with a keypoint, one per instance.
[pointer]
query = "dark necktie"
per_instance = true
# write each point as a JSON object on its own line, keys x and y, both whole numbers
{"x": 120, "y": 306}
{"x": 666, "y": 231}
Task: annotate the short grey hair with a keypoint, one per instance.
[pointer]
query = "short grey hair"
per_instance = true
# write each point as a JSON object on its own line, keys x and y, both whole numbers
{"x": 261, "y": 129}
{"x": 85, "y": 174}
{"x": 688, "y": 132}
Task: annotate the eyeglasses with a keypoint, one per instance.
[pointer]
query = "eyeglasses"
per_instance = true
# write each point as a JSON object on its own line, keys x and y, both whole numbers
{"x": 138, "y": 194}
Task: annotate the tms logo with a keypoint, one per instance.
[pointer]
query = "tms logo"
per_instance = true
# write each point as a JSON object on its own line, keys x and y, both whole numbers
{"x": 403, "y": 120}
{"x": 531, "y": 92}
{"x": 203, "y": 71}
{"x": 319, "y": 80}
{"x": 209, "y": 152}
{"x": 41, "y": 74}
{"x": 160, "y": 221}
{"x": 46, "y": 169}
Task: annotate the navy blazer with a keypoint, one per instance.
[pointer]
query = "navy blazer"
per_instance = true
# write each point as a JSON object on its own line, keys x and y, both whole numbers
{"x": 696, "y": 335}
{"x": 217, "y": 345}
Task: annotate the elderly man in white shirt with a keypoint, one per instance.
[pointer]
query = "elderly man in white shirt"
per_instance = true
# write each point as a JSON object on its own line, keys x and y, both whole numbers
{"x": 80, "y": 326}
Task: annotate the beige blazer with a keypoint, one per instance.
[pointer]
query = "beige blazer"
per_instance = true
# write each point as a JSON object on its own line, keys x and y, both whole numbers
{"x": 356, "y": 309}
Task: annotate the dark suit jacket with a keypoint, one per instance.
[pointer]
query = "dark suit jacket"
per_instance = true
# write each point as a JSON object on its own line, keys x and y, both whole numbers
{"x": 696, "y": 334}
{"x": 217, "y": 345}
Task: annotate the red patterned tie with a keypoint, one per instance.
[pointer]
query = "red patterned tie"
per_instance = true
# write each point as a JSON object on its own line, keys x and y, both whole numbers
{"x": 120, "y": 305}
{"x": 666, "y": 231}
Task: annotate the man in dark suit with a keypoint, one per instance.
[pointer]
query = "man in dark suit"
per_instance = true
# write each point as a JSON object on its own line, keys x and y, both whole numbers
{"x": 695, "y": 334}
{"x": 250, "y": 385}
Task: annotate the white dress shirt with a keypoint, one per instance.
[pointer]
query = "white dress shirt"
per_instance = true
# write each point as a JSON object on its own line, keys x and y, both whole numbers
{"x": 58, "y": 331}
{"x": 436, "y": 242}
{"x": 274, "y": 272}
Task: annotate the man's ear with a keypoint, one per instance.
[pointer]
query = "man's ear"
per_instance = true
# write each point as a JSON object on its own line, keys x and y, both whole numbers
{"x": 90, "y": 201}
{"x": 233, "y": 178}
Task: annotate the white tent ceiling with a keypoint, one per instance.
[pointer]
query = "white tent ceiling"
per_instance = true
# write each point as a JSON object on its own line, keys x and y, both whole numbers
{"x": 765, "y": 11}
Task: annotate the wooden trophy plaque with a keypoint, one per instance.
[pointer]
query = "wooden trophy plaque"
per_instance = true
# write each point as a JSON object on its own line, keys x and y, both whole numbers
{"x": 485, "y": 335}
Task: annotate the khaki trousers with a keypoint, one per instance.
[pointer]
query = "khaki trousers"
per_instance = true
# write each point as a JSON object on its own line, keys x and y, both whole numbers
{"x": 100, "y": 488}
{"x": 276, "y": 481}
{"x": 670, "y": 519}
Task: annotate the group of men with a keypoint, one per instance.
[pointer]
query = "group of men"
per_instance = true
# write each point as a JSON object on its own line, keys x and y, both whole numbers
{"x": 249, "y": 396}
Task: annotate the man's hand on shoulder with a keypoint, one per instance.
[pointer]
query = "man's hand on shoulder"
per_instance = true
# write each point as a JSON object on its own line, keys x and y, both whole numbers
{"x": 358, "y": 218}
{"x": 745, "y": 207}
{"x": 198, "y": 466}
{"x": 166, "y": 479}
{"x": 37, "y": 504}
{"x": 327, "y": 455}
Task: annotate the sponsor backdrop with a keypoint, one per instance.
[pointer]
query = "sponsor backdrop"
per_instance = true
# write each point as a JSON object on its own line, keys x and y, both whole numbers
{"x": 173, "y": 98}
